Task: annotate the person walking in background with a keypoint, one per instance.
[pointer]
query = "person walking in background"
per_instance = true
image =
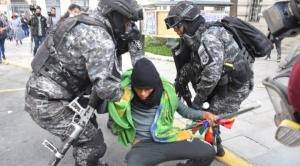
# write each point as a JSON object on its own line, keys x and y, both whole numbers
{"x": 277, "y": 41}
{"x": 8, "y": 30}
{"x": 73, "y": 10}
{"x": 16, "y": 27}
{"x": 39, "y": 27}
{"x": 25, "y": 27}
{"x": 3, "y": 36}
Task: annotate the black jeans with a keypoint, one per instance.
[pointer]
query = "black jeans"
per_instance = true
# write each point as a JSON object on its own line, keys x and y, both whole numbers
{"x": 149, "y": 153}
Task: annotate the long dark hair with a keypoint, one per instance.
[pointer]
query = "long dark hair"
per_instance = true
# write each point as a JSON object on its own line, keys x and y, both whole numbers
{"x": 67, "y": 14}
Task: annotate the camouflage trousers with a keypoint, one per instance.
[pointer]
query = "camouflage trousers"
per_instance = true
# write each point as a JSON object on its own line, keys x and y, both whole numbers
{"x": 231, "y": 103}
{"x": 55, "y": 117}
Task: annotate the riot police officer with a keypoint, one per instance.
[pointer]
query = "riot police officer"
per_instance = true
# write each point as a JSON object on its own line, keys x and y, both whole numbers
{"x": 126, "y": 42}
{"x": 214, "y": 64}
{"x": 85, "y": 56}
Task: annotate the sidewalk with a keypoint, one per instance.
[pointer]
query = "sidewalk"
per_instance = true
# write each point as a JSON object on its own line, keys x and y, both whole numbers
{"x": 250, "y": 141}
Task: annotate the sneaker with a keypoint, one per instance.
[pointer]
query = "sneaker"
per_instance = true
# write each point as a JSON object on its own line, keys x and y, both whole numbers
{"x": 220, "y": 151}
{"x": 4, "y": 58}
{"x": 278, "y": 59}
{"x": 268, "y": 58}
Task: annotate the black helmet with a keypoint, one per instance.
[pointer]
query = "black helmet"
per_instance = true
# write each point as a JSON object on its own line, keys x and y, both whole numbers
{"x": 118, "y": 11}
{"x": 128, "y": 8}
{"x": 184, "y": 10}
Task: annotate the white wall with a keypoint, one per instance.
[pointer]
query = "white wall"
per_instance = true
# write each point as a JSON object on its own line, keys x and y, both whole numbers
{"x": 42, "y": 4}
{"x": 64, "y": 5}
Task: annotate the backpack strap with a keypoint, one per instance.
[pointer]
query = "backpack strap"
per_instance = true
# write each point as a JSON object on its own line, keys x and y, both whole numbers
{"x": 66, "y": 25}
{"x": 236, "y": 37}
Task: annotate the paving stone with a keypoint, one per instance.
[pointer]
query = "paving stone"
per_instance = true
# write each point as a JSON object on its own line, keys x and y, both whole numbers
{"x": 245, "y": 147}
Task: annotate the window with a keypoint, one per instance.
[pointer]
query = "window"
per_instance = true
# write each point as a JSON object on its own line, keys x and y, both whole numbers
{"x": 52, "y": 1}
{"x": 255, "y": 8}
{"x": 82, "y": 3}
{"x": 219, "y": 8}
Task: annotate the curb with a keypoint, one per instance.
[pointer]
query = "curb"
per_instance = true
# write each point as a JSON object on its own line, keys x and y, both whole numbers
{"x": 159, "y": 57}
{"x": 17, "y": 64}
{"x": 231, "y": 159}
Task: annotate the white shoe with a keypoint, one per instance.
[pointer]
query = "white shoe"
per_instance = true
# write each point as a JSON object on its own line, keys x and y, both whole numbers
{"x": 268, "y": 59}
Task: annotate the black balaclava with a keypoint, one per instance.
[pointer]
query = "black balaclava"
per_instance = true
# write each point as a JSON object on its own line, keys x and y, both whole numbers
{"x": 190, "y": 27}
{"x": 117, "y": 22}
{"x": 145, "y": 75}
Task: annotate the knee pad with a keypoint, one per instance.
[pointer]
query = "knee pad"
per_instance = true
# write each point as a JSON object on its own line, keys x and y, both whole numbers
{"x": 96, "y": 154}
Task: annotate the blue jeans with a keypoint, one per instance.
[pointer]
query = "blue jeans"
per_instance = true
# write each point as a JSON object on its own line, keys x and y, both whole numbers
{"x": 2, "y": 49}
{"x": 26, "y": 30}
{"x": 38, "y": 40}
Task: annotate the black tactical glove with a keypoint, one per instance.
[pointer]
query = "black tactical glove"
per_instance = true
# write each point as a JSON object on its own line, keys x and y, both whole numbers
{"x": 178, "y": 87}
{"x": 95, "y": 100}
{"x": 133, "y": 33}
{"x": 197, "y": 103}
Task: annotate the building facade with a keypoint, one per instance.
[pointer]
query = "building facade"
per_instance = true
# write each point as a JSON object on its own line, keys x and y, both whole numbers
{"x": 248, "y": 10}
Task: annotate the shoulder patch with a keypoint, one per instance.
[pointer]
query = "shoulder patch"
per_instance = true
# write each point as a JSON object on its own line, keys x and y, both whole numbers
{"x": 205, "y": 57}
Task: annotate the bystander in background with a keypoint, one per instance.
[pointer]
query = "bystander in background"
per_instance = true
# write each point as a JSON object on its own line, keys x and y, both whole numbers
{"x": 277, "y": 41}
{"x": 16, "y": 27}
{"x": 25, "y": 27}
{"x": 39, "y": 27}
{"x": 3, "y": 36}
{"x": 52, "y": 18}
{"x": 73, "y": 10}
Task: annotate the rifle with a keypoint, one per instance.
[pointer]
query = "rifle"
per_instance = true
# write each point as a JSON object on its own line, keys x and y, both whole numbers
{"x": 231, "y": 115}
{"x": 181, "y": 56}
{"x": 186, "y": 95}
{"x": 79, "y": 121}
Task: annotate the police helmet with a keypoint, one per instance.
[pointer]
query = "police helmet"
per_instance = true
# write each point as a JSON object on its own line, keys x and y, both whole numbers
{"x": 184, "y": 10}
{"x": 128, "y": 8}
{"x": 117, "y": 11}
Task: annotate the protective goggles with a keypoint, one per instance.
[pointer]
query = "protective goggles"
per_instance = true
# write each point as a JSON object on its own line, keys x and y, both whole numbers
{"x": 171, "y": 21}
{"x": 177, "y": 26}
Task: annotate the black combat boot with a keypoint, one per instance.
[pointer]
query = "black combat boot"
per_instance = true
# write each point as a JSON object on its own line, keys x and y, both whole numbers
{"x": 220, "y": 149}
